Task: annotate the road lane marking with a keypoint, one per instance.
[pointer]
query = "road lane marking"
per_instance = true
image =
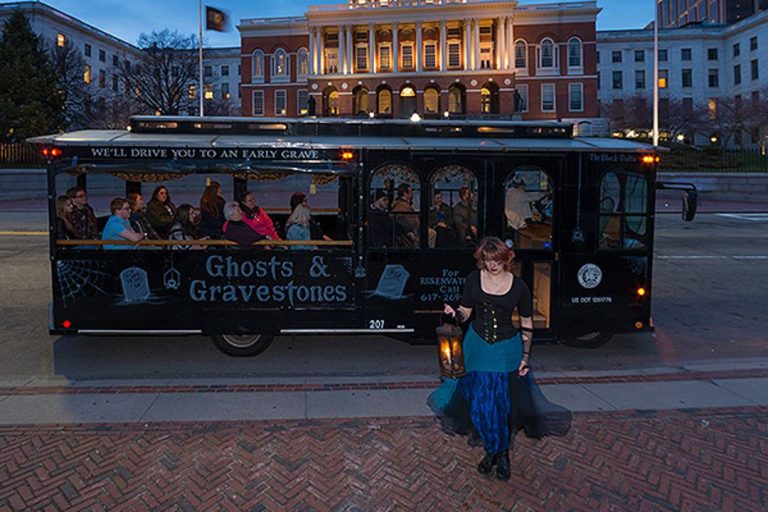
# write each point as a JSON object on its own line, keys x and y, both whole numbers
{"x": 24, "y": 233}
{"x": 754, "y": 217}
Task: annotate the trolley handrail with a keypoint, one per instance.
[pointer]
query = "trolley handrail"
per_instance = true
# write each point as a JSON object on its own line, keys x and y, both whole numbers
{"x": 214, "y": 243}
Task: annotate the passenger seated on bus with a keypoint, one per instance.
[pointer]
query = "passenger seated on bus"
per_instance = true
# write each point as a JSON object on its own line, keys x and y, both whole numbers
{"x": 315, "y": 230}
{"x": 161, "y": 211}
{"x": 81, "y": 217}
{"x": 64, "y": 229}
{"x": 297, "y": 226}
{"x": 439, "y": 208}
{"x": 610, "y": 224}
{"x": 212, "y": 211}
{"x": 186, "y": 227}
{"x": 406, "y": 218}
{"x": 517, "y": 206}
{"x": 380, "y": 223}
{"x": 235, "y": 229}
{"x": 465, "y": 218}
{"x": 139, "y": 221}
{"x": 118, "y": 227}
{"x": 445, "y": 236}
{"x": 256, "y": 217}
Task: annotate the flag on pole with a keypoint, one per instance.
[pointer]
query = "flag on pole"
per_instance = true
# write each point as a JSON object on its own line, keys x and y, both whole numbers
{"x": 216, "y": 19}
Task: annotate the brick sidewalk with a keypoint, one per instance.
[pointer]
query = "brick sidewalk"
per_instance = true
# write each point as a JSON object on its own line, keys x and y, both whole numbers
{"x": 702, "y": 460}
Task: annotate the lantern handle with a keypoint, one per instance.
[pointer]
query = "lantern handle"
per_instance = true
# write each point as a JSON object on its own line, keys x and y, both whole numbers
{"x": 453, "y": 319}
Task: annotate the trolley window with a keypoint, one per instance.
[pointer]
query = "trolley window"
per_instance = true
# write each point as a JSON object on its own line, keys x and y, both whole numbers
{"x": 623, "y": 211}
{"x": 393, "y": 219}
{"x": 528, "y": 208}
{"x": 453, "y": 207}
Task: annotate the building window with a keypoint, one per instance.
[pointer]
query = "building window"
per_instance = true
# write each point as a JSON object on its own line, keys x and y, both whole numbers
{"x": 102, "y": 56}
{"x": 385, "y": 58}
{"x": 663, "y": 55}
{"x": 407, "y": 56}
{"x": 454, "y": 55}
{"x": 753, "y": 43}
{"x": 574, "y": 53}
{"x": 712, "y": 109}
{"x": 713, "y": 78}
{"x": 639, "y": 55}
{"x": 360, "y": 101}
{"x": 331, "y": 61}
{"x": 712, "y": 54}
{"x": 486, "y": 56}
{"x": 455, "y": 99}
{"x": 361, "y": 57}
{"x": 616, "y": 56}
{"x": 736, "y": 50}
{"x": 685, "y": 54}
{"x": 598, "y": 80}
{"x": 115, "y": 60}
{"x": 640, "y": 79}
{"x": 280, "y": 103}
{"x": 209, "y": 92}
{"x": 225, "y": 95}
{"x": 522, "y": 90}
{"x": 257, "y": 66}
{"x": 302, "y": 62}
{"x": 687, "y": 78}
{"x": 755, "y": 70}
{"x": 61, "y": 40}
{"x": 115, "y": 83}
{"x": 618, "y": 80}
{"x": 208, "y": 71}
{"x": 663, "y": 79}
{"x": 486, "y": 101}
{"x": 280, "y": 63}
{"x": 576, "y": 97}
{"x": 192, "y": 91}
{"x": 384, "y": 102}
{"x": 224, "y": 70}
{"x": 521, "y": 55}
{"x": 258, "y": 103}
{"x": 87, "y": 50}
{"x": 597, "y": 57}
{"x": 737, "y": 74}
{"x": 547, "y": 54}
{"x": 302, "y": 102}
{"x": 430, "y": 55}
{"x": 431, "y": 101}
{"x": 547, "y": 97}
{"x": 102, "y": 78}
{"x": 87, "y": 74}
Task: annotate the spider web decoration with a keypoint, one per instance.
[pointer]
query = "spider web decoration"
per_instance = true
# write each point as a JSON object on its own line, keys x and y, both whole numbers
{"x": 80, "y": 278}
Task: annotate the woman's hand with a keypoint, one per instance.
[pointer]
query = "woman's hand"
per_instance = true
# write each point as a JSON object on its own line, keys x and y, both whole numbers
{"x": 448, "y": 310}
{"x": 523, "y": 369}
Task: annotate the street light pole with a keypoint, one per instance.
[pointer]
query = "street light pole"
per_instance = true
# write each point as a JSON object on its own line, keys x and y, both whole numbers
{"x": 655, "y": 73}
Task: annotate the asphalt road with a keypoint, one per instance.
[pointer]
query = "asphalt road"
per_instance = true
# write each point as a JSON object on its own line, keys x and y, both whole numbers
{"x": 708, "y": 306}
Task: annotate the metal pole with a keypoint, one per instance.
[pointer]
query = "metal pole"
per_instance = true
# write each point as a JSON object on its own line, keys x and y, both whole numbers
{"x": 201, "y": 92}
{"x": 655, "y": 73}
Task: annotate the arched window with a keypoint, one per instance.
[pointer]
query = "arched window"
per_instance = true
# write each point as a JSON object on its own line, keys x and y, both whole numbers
{"x": 547, "y": 54}
{"x": 452, "y": 207}
{"x": 302, "y": 62}
{"x": 384, "y": 102}
{"x": 280, "y": 65}
{"x": 360, "y": 101}
{"x": 407, "y": 101}
{"x": 393, "y": 217}
{"x": 489, "y": 99}
{"x": 623, "y": 209}
{"x": 528, "y": 208}
{"x": 456, "y": 99}
{"x": 330, "y": 101}
{"x": 575, "y": 56}
{"x": 521, "y": 54}
{"x": 257, "y": 66}
{"x": 431, "y": 101}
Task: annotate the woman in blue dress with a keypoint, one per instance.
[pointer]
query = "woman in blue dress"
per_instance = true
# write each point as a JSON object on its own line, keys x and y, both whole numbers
{"x": 496, "y": 397}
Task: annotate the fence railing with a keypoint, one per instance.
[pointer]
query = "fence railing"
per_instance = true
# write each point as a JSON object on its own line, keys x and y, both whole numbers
{"x": 714, "y": 159}
{"x": 20, "y": 155}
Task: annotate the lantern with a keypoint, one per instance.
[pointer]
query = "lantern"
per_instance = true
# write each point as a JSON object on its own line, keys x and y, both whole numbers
{"x": 449, "y": 351}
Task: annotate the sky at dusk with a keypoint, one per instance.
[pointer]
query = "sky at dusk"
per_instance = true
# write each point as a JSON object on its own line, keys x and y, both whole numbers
{"x": 127, "y": 19}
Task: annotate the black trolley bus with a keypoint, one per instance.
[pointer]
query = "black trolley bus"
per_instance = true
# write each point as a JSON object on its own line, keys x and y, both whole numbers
{"x": 401, "y": 205}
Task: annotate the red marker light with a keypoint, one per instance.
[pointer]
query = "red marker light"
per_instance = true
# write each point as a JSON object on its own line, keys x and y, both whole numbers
{"x": 55, "y": 152}
{"x": 45, "y": 151}
{"x": 347, "y": 155}
{"x": 66, "y": 324}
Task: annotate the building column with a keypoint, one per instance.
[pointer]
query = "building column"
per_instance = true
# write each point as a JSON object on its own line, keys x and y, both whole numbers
{"x": 340, "y": 53}
{"x": 510, "y": 44}
{"x": 311, "y": 51}
{"x": 321, "y": 48}
{"x": 419, "y": 49}
{"x": 395, "y": 48}
{"x": 372, "y": 47}
{"x": 467, "y": 44}
{"x": 350, "y": 51}
{"x": 501, "y": 46}
{"x": 443, "y": 46}
{"x": 476, "y": 44}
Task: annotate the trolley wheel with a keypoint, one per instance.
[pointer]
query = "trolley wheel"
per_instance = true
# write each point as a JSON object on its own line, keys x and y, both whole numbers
{"x": 591, "y": 340}
{"x": 242, "y": 345}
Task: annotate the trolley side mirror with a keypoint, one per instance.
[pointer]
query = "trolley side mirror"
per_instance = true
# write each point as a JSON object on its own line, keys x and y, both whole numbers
{"x": 690, "y": 197}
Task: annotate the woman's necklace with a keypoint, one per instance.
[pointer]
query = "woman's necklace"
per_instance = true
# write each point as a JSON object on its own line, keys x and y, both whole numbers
{"x": 496, "y": 286}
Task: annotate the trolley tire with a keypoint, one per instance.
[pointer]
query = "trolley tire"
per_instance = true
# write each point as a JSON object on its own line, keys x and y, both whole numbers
{"x": 242, "y": 345}
{"x": 591, "y": 340}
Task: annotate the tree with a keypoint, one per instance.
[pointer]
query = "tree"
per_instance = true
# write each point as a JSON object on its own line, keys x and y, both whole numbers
{"x": 633, "y": 113}
{"x": 684, "y": 117}
{"x": 30, "y": 101}
{"x": 167, "y": 66}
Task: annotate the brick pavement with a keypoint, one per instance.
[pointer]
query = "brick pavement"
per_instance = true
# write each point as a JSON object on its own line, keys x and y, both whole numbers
{"x": 696, "y": 460}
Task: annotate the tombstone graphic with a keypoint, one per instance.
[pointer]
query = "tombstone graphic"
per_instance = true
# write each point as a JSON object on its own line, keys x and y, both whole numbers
{"x": 392, "y": 282}
{"x": 135, "y": 285}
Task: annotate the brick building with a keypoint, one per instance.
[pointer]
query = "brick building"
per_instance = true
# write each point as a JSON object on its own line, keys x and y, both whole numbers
{"x": 391, "y": 58}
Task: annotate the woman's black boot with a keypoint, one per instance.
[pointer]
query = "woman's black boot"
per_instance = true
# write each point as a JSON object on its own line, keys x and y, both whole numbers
{"x": 486, "y": 465}
{"x": 503, "y": 470}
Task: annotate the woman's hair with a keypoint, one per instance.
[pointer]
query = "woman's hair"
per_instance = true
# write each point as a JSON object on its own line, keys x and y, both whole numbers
{"x": 157, "y": 191}
{"x": 229, "y": 209}
{"x": 116, "y": 204}
{"x": 301, "y": 215}
{"x": 61, "y": 210}
{"x": 209, "y": 202}
{"x": 184, "y": 218}
{"x": 493, "y": 249}
{"x": 296, "y": 199}
{"x": 133, "y": 198}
